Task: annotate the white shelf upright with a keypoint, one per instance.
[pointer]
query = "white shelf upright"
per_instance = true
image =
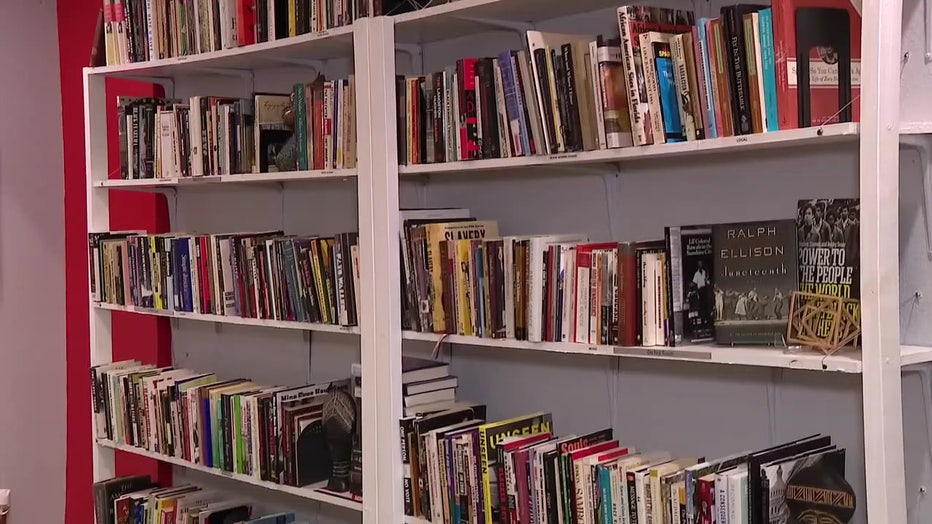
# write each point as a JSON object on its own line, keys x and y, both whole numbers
{"x": 879, "y": 191}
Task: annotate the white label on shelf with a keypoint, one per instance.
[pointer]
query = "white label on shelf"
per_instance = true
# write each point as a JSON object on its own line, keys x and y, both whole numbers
{"x": 663, "y": 352}
{"x": 563, "y": 156}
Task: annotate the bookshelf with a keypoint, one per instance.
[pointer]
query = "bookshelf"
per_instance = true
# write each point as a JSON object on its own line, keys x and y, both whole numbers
{"x": 381, "y": 188}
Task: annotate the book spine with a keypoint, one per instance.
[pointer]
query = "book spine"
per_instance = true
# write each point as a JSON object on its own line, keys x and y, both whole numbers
{"x": 638, "y": 109}
{"x": 685, "y": 98}
{"x": 768, "y": 69}
{"x": 722, "y": 91}
{"x": 750, "y": 53}
{"x": 737, "y": 70}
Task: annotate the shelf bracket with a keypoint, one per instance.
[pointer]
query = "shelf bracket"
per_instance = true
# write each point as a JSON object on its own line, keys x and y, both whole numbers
{"x": 923, "y": 145}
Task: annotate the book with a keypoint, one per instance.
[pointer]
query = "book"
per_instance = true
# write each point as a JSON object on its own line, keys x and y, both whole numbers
{"x": 694, "y": 297}
{"x": 828, "y": 239}
{"x": 755, "y": 269}
{"x": 107, "y": 491}
{"x": 738, "y": 72}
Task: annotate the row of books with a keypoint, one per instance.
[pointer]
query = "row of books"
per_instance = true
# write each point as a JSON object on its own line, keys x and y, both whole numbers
{"x": 141, "y": 30}
{"x": 268, "y": 433}
{"x": 252, "y": 275}
{"x": 135, "y": 499}
{"x": 461, "y": 468}
{"x": 728, "y": 283}
{"x": 664, "y": 78}
{"x": 313, "y": 128}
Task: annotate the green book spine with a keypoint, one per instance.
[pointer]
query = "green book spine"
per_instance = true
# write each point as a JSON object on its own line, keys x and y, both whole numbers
{"x": 215, "y": 434}
{"x": 300, "y": 118}
{"x": 237, "y": 435}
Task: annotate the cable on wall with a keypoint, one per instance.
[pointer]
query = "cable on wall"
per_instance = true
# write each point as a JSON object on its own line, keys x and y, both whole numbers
{"x": 772, "y": 391}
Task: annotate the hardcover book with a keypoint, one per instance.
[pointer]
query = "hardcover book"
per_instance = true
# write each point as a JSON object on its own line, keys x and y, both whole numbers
{"x": 692, "y": 298}
{"x": 828, "y": 237}
{"x": 755, "y": 273}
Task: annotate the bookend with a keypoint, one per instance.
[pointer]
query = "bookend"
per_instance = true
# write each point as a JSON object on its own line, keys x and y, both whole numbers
{"x": 828, "y": 30}
{"x": 824, "y": 322}
{"x": 339, "y": 418}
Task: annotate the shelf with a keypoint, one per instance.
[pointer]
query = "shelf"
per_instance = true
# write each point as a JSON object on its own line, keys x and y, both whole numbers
{"x": 761, "y": 356}
{"x": 298, "y": 50}
{"x": 222, "y": 319}
{"x": 246, "y": 178}
{"x": 465, "y": 17}
{"x": 809, "y": 136}
{"x": 312, "y": 492}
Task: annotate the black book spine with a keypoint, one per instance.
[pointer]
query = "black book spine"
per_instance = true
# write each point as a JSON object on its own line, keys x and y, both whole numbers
{"x": 738, "y": 72}
{"x": 550, "y": 488}
{"x": 543, "y": 81}
{"x": 487, "y": 101}
{"x": 262, "y": 21}
{"x": 632, "y": 498}
{"x": 402, "y": 110}
{"x": 572, "y": 97}
{"x": 559, "y": 77}
{"x": 281, "y": 19}
{"x": 439, "y": 145}
{"x": 130, "y": 411}
{"x": 421, "y": 121}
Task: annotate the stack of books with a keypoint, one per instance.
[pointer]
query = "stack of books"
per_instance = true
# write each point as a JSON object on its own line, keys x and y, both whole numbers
{"x": 427, "y": 386}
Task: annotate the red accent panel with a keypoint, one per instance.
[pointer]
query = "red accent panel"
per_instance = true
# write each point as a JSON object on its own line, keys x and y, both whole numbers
{"x": 139, "y": 337}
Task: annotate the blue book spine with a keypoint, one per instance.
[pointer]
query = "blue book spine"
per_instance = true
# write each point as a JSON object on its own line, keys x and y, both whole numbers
{"x": 768, "y": 66}
{"x": 512, "y": 102}
{"x": 704, "y": 49}
{"x": 606, "y": 510}
{"x": 690, "y": 482}
{"x": 207, "y": 452}
{"x": 669, "y": 98}
{"x": 522, "y": 114}
{"x": 176, "y": 274}
{"x": 480, "y": 291}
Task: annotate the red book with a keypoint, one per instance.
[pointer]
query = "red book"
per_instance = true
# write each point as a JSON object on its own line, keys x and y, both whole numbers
{"x": 468, "y": 118}
{"x": 706, "y": 507}
{"x": 823, "y": 94}
{"x": 246, "y": 22}
{"x": 627, "y": 332}
{"x": 203, "y": 274}
{"x": 724, "y": 123}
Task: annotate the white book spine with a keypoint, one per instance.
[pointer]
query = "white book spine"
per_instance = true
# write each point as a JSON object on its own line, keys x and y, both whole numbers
{"x": 721, "y": 499}
{"x": 508, "y": 249}
{"x": 582, "y": 304}
{"x": 653, "y": 85}
{"x": 194, "y": 255}
{"x": 504, "y": 140}
{"x": 150, "y": 32}
{"x": 166, "y": 159}
{"x": 597, "y": 98}
{"x": 194, "y": 127}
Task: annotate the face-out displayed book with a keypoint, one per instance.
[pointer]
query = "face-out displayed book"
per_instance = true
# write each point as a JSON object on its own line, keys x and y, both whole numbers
{"x": 730, "y": 284}
{"x": 460, "y": 467}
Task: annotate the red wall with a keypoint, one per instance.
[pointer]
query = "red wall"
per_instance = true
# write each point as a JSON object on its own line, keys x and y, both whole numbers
{"x": 134, "y": 336}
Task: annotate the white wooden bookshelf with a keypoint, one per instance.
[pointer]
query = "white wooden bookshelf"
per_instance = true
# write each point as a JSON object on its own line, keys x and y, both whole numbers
{"x": 235, "y": 321}
{"x": 372, "y": 43}
{"x": 315, "y": 492}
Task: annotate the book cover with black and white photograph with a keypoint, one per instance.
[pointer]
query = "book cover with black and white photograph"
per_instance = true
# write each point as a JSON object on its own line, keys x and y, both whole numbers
{"x": 755, "y": 274}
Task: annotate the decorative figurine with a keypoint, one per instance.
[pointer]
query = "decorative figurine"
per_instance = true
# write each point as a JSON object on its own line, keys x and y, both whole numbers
{"x": 339, "y": 418}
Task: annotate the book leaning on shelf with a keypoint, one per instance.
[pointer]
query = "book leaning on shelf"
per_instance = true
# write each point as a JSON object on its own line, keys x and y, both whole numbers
{"x": 271, "y": 433}
{"x": 252, "y": 275}
{"x": 142, "y": 30}
{"x": 461, "y": 468}
{"x": 663, "y": 77}
{"x": 137, "y": 500}
{"x": 723, "y": 283}
{"x": 211, "y": 135}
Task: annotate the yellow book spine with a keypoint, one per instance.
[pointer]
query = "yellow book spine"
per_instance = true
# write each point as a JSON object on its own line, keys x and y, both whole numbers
{"x": 292, "y": 18}
{"x": 434, "y": 237}
{"x": 464, "y": 288}
{"x": 486, "y": 477}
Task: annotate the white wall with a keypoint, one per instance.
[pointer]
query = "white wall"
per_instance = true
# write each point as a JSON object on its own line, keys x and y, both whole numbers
{"x": 32, "y": 264}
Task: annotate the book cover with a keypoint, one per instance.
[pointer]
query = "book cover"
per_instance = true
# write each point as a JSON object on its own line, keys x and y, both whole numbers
{"x": 823, "y": 60}
{"x": 755, "y": 273}
{"x": 693, "y": 299}
{"x": 828, "y": 237}
{"x": 490, "y": 436}
{"x": 776, "y": 476}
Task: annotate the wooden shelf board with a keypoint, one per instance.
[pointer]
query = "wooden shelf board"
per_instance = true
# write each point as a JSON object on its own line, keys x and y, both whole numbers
{"x": 780, "y": 139}
{"x": 222, "y": 319}
{"x": 333, "y": 43}
{"x": 761, "y": 356}
{"x": 312, "y": 492}
{"x": 245, "y": 178}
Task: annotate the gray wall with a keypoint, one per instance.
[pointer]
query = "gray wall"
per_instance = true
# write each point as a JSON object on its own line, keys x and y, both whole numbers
{"x": 32, "y": 264}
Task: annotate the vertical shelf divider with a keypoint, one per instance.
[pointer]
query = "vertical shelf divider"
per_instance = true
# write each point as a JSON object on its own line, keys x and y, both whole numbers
{"x": 380, "y": 310}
